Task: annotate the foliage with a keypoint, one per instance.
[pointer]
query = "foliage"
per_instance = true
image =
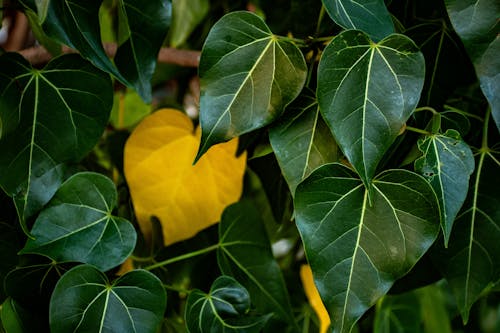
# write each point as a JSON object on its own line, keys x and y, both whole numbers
{"x": 341, "y": 175}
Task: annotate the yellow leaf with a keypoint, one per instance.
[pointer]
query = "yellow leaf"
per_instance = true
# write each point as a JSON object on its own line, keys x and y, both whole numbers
{"x": 314, "y": 298}
{"x": 163, "y": 181}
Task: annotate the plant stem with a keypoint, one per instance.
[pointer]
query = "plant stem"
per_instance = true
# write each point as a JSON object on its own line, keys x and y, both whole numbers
{"x": 182, "y": 257}
{"x": 417, "y": 130}
{"x": 320, "y": 19}
{"x": 465, "y": 113}
{"x": 484, "y": 144}
{"x": 426, "y": 108}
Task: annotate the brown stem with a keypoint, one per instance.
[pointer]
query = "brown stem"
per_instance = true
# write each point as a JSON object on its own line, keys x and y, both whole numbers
{"x": 186, "y": 58}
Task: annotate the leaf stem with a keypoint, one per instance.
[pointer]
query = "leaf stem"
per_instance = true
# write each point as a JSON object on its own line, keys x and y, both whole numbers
{"x": 320, "y": 20}
{"x": 298, "y": 41}
{"x": 465, "y": 113}
{"x": 484, "y": 144}
{"x": 417, "y": 130}
{"x": 182, "y": 257}
{"x": 426, "y": 108}
{"x": 178, "y": 289}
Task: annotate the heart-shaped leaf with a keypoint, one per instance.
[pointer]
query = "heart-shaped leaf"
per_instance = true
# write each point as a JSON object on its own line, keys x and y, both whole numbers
{"x": 163, "y": 181}
{"x": 447, "y": 164}
{"x": 84, "y": 300}
{"x": 357, "y": 251}
{"x": 370, "y": 16}
{"x": 476, "y": 22}
{"x": 50, "y": 117}
{"x": 224, "y": 309}
{"x": 314, "y": 298}
{"x": 245, "y": 253}
{"x": 471, "y": 262}
{"x": 301, "y": 140}
{"x": 366, "y": 92}
{"x": 77, "y": 224}
{"x": 248, "y": 75}
{"x": 146, "y": 24}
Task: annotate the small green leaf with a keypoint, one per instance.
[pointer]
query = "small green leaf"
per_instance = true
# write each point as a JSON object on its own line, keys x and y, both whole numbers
{"x": 77, "y": 224}
{"x": 84, "y": 300}
{"x": 370, "y": 16}
{"x": 447, "y": 164}
{"x": 357, "y": 251}
{"x": 224, "y": 309}
{"x": 248, "y": 76}
{"x": 50, "y": 117}
{"x": 16, "y": 319}
{"x": 128, "y": 109}
{"x": 187, "y": 14}
{"x": 398, "y": 314}
{"x": 245, "y": 253}
{"x": 471, "y": 262}
{"x": 476, "y": 22}
{"x": 366, "y": 92}
{"x": 301, "y": 140}
{"x": 146, "y": 26}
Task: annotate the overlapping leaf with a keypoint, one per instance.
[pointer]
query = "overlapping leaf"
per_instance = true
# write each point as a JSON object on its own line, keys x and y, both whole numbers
{"x": 245, "y": 253}
{"x": 447, "y": 164}
{"x": 187, "y": 14}
{"x": 224, "y": 309}
{"x": 398, "y": 314}
{"x": 366, "y": 92}
{"x": 370, "y": 16}
{"x": 84, "y": 300}
{"x": 146, "y": 24}
{"x": 248, "y": 75}
{"x": 357, "y": 251}
{"x": 471, "y": 262}
{"x": 49, "y": 117}
{"x": 476, "y": 22}
{"x": 301, "y": 140}
{"x": 77, "y": 224}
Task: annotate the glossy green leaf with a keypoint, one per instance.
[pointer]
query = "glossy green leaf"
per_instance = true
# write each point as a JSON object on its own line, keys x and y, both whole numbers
{"x": 476, "y": 22}
{"x": 84, "y": 300}
{"x": 78, "y": 225}
{"x": 398, "y": 314}
{"x": 224, "y": 309}
{"x": 301, "y": 140}
{"x": 357, "y": 251}
{"x": 50, "y": 117}
{"x": 187, "y": 14}
{"x": 248, "y": 76}
{"x": 146, "y": 25}
{"x": 471, "y": 262}
{"x": 370, "y": 16}
{"x": 447, "y": 163}
{"x": 245, "y": 253}
{"x": 366, "y": 92}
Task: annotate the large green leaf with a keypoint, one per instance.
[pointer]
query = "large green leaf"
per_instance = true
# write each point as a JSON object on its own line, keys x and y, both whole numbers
{"x": 49, "y": 116}
{"x": 248, "y": 75}
{"x": 366, "y": 92}
{"x": 224, "y": 309}
{"x": 471, "y": 264}
{"x": 146, "y": 24}
{"x": 187, "y": 14}
{"x": 84, "y": 300}
{"x": 370, "y": 16}
{"x": 301, "y": 140}
{"x": 476, "y": 22}
{"x": 77, "y": 224}
{"x": 245, "y": 253}
{"x": 356, "y": 250}
{"x": 447, "y": 164}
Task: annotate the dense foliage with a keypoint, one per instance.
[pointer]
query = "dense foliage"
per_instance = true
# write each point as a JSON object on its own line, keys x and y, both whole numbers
{"x": 349, "y": 143}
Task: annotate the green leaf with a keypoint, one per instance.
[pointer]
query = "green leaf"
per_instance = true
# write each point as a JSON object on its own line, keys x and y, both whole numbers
{"x": 366, "y": 92}
{"x": 77, "y": 224}
{"x": 84, "y": 300}
{"x": 434, "y": 311}
{"x": 471, "y": 264}
{"x": 370, "y": 16}
{"x": 301, "y": 140}
{"x": 476, "y": 22}
{"x": 128, "y": 109}
{"x": 356, "y": 250}
{"x": 224, "y": 309}
{"x": 248, "y": 76}
{"x": 187, "y": 14}
{"x": 447, "y": 164}
{"x": 245, "y": 253}
{"x": 146, "y": 26}
{"x": 398, "y": 314}
{"x": 50, "y": 117}
{"x": 16, "y": 319}
{"x": 42, "y": 7}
